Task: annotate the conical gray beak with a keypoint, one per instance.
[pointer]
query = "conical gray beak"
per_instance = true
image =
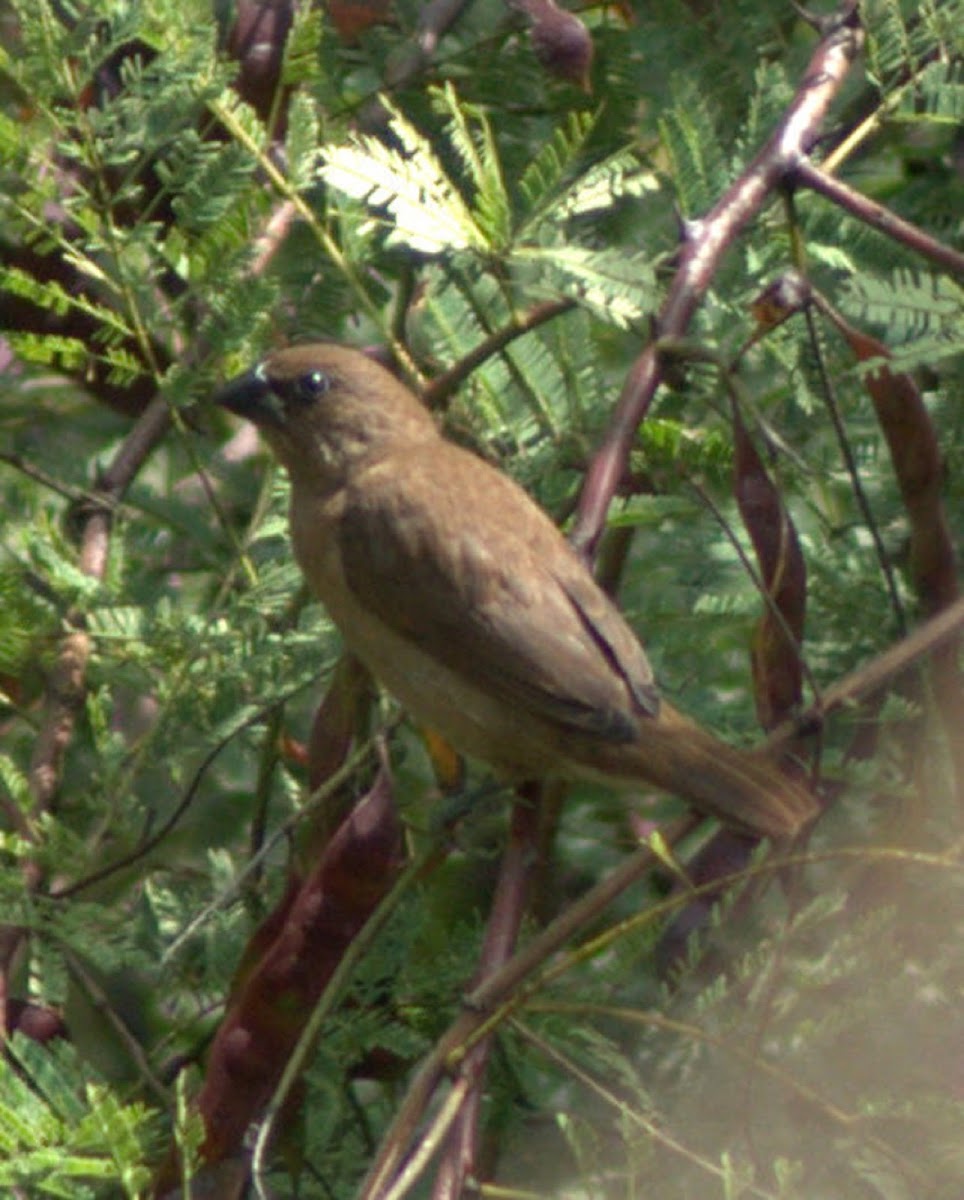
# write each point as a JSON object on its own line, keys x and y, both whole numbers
{"x": 250, "y": 396}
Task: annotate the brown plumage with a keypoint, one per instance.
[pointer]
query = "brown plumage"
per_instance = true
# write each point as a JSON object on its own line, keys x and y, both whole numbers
{"x": 463, "y": 598}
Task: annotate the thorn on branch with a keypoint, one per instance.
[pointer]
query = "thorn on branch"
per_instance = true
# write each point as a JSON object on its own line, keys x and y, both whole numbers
{"x": 826, "y": 24}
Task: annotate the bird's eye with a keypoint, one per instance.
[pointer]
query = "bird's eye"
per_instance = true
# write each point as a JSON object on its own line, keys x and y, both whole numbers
{"x": 311, "y": 386}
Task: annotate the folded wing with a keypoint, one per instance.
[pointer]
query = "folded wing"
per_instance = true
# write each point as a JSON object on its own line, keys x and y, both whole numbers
{"x": 501, "y": 598}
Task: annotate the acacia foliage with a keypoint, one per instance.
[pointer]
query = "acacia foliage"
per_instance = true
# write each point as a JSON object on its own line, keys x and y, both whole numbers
{"x": 166, "y": 218}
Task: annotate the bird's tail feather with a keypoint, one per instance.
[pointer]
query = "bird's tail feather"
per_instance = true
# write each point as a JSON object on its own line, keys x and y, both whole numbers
{"x": 746, "y": 790}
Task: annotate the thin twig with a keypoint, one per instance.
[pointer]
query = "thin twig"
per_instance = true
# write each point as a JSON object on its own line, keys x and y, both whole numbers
{"x": 442, "y": 386}
{"x": 871, "y": 213}
{"x": 74, "y": 494}
{"x": 101, "y": 1003}
{"x": 856, "y": 483}
{"x": 634, "y": 1114}
{"x": 933, "y": 635}
{"x": 150, "y": 843}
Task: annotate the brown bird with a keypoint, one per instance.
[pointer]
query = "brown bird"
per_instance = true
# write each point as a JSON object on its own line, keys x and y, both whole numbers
{"x": 464, "y": 599}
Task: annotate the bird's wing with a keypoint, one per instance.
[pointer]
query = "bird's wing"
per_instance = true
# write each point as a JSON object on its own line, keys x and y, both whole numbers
{"x": 466, "y": 566}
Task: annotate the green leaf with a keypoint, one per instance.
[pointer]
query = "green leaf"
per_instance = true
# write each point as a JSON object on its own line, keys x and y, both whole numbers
{"x": 427, "y": 211}
{"x": 301, "y": 63}
{"x": 301, "y": 139}
{"x": 541, "y": 178}
{"x": 619, "y": 288}
{"x": 470, "y": 135}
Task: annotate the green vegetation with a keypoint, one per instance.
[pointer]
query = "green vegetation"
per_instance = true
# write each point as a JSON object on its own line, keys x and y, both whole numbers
{"x": 176, "y": 200}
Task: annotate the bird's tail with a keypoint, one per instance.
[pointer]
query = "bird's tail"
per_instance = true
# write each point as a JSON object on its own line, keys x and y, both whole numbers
{"x": 746, "y": 790}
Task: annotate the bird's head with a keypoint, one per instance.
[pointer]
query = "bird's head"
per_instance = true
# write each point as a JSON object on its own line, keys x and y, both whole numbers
{"x": 325, "y": 409}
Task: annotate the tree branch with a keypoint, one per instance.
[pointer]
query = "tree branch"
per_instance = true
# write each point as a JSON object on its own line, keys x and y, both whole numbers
{"x": 708, "y": 241}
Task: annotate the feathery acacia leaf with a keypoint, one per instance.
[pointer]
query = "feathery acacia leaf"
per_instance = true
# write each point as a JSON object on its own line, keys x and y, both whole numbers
{"x": 426, "y": 208}
{"x": 619, "y": 288}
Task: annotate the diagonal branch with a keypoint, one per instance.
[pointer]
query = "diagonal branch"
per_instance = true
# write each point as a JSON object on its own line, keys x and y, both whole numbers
{"x": 708, "y": 241}
{"x": 436, "y": 393}
{"x": 878, "y": 217}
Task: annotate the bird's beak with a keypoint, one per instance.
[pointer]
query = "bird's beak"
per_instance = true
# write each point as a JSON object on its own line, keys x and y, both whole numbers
{"x": 250, "y": 396}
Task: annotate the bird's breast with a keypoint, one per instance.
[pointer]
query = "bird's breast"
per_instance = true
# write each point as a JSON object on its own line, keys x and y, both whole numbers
{"x": 476, "y": 723}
